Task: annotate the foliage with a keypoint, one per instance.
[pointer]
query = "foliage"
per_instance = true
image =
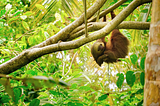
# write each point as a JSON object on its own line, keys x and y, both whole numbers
{"x": 25, "y": 23}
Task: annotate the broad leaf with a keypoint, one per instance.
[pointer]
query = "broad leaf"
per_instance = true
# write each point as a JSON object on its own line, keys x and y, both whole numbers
{"x": 133, "y": 58}
{"x": 142, "y": 76}
{"x": 25, "y": 25}
{"x": 130, "y": 78}
{"x": 120, "y": 80}
{"x": 102, "y": 97}
{"x": 142, "y": 63}
{"x": 35, "y": 102}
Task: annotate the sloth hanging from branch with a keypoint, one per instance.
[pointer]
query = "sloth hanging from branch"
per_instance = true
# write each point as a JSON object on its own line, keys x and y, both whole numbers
{"x": 109, "y": 52}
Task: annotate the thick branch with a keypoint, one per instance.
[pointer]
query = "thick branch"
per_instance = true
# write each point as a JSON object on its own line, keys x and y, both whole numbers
{"x": 94, "y": 26}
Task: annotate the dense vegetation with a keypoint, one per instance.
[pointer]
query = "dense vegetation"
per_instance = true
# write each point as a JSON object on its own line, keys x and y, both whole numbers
{"x": 25, "y": 23}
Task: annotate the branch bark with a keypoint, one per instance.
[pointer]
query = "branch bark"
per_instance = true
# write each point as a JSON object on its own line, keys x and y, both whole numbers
{"x": 31, "y": 54}
{"x": 94, "y": 26}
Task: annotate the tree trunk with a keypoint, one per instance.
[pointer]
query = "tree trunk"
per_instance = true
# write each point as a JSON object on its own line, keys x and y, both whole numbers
{"x": 152, "y": 63}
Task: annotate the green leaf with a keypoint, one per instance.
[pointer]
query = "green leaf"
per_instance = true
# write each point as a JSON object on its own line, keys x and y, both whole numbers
{"x": 29, "y": 13}
{"x": 1, "y": 24}
{"x": 130, "y": 77}
{"x": 25, "y": 25}
{"x": 46, "y": 34}
{"x": 140, "y": 103}
{"x": 140, "y": 91}
{"x": 55, "y": 28}
{"x": 31, "y": 72}
{"x": 17, "y": 13}
{"x": 38, "y": 38}
{"x": 31, "y": 40}
{"x": 142, "y": 63}
{"x": 115, "y": 1}
{"x": 4, "y": 99}
{"x": 127, "y": 34}
{"x": 102, "y": 97}
{"x": 2, "y": 12}
{"x": 144, "y": 10}
{"x": 17, "y": 94}
{"x": 142, "y": 76}
{"x": 40, "y": 7}
{"x": 86, "y": 88}
{"x": 35, "y": 102}
{"x": 13, "y": 19}
{"x": 2, "y": 20}
{"x": 120, "y": 80}
{"x": 74, "y": 86}
{"x": 55, "y": 93}
{"x": 133, "y": 58}
{"x": 23, "y": 39}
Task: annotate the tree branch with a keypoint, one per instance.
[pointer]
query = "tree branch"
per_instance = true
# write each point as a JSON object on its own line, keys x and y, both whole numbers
{"x": 94, "y": 26}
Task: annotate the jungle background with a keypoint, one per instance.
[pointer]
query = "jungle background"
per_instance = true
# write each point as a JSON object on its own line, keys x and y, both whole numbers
{"x": 26, "y": 23}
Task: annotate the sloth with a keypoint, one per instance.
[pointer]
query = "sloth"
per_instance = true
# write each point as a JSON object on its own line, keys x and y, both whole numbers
{"x": 109, "y": 52}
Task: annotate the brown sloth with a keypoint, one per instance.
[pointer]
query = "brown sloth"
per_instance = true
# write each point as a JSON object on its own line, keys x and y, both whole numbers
{"x": 109, "y": 52}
